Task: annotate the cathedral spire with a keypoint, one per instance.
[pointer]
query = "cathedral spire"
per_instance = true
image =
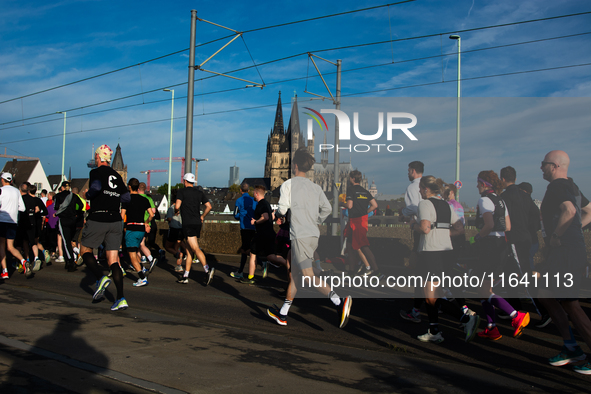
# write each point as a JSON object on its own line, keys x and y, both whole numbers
{"x": 278, "y": 125}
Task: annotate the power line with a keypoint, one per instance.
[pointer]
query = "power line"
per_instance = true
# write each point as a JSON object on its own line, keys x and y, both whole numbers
{"x": 200, "y": 45}
{"x": 272, "y": 105}
{"x": 270, "y": 83}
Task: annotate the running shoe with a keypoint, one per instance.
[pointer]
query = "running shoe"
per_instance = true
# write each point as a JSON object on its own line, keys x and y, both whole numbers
{"x": 144, "y": 260}
{"x": 585, "y": 369}
{"x": 410, "y": 316}
{"x": 379, "y": 275}
{"x": 5, "y": 275}
{"x": 236, "y": 275}
{"x": 246, "y": 281}
{"x": 276, "y": 315}
{"x": 183, "y": 280}
{"x": 265, "y": 265}
{"x": 141, "y": 282}
{"x": 210, "y": 275}
{"x": 60, "y": 260}
{"x": 119, "y": 305}
{"x": 19, "y": 267}
{"x": 47, "y": 256}
{"x": 361, "y": 268}
{"x": 79, "y": 261}
{"x": 367, "y": 271}
{"x": 152, "y": 265}
{"x": 490, "y": 333}
{"x": 428, "y": 337}
{"x": 28, "y": 270}
{"x": 37, "y": 265}
{"x": 519, "y": 323}
{"x": 179, "y": 268}
{"x": 544, "y": 321}
{"x": 101, "y": 286}
{"x": 196, "y": 260}
{"x": 567, "y": 357}
{"x": 471, "y": 326}
{"x": 345, "y": 310}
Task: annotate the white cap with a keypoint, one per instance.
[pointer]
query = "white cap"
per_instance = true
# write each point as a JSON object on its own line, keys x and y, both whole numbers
{"x": 189, "y": 177}
{"x": 7, "y": 176}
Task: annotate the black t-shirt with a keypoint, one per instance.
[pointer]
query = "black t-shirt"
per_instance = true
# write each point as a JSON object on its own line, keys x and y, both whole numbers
{"x": 559, "y": 191}
{"x": 360, "y": 198}
{"x": 106, "y": 189}
{"x": 191, "y": 200}
{"x": 519, "y": 204}
{"x": 266, "y": 227}
{"x": 135, "y": 211}
{"x": 27, "y": 218}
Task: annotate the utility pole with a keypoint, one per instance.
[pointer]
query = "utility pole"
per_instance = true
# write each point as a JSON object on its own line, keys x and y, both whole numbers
{"x": 337, "y": 173}
{"x": 190, "y": 93}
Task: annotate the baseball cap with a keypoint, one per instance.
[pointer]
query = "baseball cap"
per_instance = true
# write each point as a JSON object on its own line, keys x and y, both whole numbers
{"x": 526, "y": 187}
{"x": 7, "y": 176}
{"x": 189, "y": 177}
{"x": 104, "y": 153}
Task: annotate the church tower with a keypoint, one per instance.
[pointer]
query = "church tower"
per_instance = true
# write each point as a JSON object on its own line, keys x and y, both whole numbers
{"x": 117, "y": 164}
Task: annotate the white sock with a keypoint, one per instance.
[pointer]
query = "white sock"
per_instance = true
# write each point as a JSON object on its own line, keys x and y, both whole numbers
{"x": 186, "y": 274}
{"x": 150, "y": 258}
{"x": 206, "y": 268}
{"x": 334, "y": 298}
{"x": 285, "y": 308}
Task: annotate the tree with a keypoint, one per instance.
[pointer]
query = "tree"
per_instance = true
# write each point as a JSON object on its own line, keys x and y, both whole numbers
{"x": 234, "y": 188}
{"x": 164, "y": 188}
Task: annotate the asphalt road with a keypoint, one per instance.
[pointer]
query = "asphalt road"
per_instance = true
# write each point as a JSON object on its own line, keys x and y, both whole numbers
{"x": 376, "y": 352}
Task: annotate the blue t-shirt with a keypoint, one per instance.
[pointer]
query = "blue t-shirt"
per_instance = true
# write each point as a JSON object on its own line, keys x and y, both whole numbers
{"x": 244, "y": 211}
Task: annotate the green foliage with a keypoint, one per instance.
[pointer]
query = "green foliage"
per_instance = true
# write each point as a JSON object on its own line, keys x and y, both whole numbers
{"x": 164, "y": 188}
{"x": 235, "y": 188}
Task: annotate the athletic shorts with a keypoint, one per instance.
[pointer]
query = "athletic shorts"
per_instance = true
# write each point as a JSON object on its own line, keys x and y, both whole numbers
{"x": 263, "y": 245}
{"x": 246, "y": 236}
{"x": 174, "y": 234}
{"x": 95, "y": 233}
{"x": 191, "y": 230}
{"x": 302, "y": 252}
{"x": 8, "y": 230}
{"x": 133, "y": 239}
{"x": 434, "y": 262}
{"x": 358, "y": 232}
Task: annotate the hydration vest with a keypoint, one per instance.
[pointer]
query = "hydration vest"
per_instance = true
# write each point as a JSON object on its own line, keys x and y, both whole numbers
{"x": 498, "y": 214}
{"x": 442, "y": 214}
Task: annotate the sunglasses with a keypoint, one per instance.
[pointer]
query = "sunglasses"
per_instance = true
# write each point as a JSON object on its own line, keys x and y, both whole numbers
{"x": 549, "y": 162}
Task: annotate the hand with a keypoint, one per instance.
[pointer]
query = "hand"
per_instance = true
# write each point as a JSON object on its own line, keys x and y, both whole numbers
{"x": 148, "y": 228}
{"x": 252, "y": 221}
{"x": 555, "y": 241}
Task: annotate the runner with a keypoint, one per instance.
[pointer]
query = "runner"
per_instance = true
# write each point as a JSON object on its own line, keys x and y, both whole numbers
{"x": 11, "y": 203}
{"x": 66, "y": 206}
{"x": 188, "y": 203}
{"x": 565, "y": 211}
{"x": 244, "y": 212}
{"x": 436, "y": 222}
{"x": 309, "y": 208}
{"x": 144, "y": 249}
{"x": 263, "y": 244}
{"x": 137, "y": 225}
{"x": 492, "y": 220}
{"x": 174, "y": 239}
{"x": 104, "y": 224}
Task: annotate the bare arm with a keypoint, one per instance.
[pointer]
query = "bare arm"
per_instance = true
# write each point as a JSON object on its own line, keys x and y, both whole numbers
{"x": 456, "y": 229}
{"x": 373, "y": 205}
{"x": 206, "y": 210}
{"x": 586, "y": 215}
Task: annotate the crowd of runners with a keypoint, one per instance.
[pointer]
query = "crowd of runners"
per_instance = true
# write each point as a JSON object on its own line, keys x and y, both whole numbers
{"x": 111, "y": 221}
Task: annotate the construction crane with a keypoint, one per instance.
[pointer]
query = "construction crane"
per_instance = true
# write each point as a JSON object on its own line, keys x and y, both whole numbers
{"x": 19, "y": 157}
{"x": 182, "y": 160}
{"x": 149, "y": 172}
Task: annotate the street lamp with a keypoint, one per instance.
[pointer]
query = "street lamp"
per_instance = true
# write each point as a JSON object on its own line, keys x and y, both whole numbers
{"x": 457, "y": 37}
{"x": 63, "y": 144}
{"x": 170, "y": 152}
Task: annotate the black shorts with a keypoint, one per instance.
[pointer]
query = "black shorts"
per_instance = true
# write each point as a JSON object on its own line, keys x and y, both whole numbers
{"x": 192, "y": 230}
{"x": 174, "y": 235}
{"x": 263, "y": 245}
{"x": 492, "y": 254}
{"x": 246, "y": 237}
{"x": 434, "y": 262}
{"x": 8, "y": 230}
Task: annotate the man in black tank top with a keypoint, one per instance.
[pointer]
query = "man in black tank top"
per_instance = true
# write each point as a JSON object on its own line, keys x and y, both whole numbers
{"x": 104, "y": 223}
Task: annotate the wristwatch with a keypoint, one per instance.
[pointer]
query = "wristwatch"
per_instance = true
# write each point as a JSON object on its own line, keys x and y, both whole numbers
{"x": 554, "y": 235}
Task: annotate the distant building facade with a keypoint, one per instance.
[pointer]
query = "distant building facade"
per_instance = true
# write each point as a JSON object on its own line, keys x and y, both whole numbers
{"x": 117, "y": 164}
{"x": 234, "y": 175}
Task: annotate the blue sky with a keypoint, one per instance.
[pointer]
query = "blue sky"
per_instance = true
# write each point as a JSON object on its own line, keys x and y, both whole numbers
{"x": 48, "y": 45}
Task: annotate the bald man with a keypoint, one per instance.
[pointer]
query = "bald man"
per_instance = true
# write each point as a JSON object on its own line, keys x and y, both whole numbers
{"x": 565, "y": 211}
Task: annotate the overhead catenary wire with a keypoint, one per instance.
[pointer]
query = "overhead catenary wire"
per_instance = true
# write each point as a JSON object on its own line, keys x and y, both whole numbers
{"x": 272, "y": 105}
{"x": 315, "y": 51}
{"x": 203, "y": 44}
{"x": 271, "y": 83}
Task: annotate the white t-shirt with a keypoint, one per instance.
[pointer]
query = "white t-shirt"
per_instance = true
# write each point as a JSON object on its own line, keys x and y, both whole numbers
{"x": 11, "y": 202}
{"x": 485, "y": 204}
{"x": 438, "y": 238}
{"x": 176, "y": 221}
